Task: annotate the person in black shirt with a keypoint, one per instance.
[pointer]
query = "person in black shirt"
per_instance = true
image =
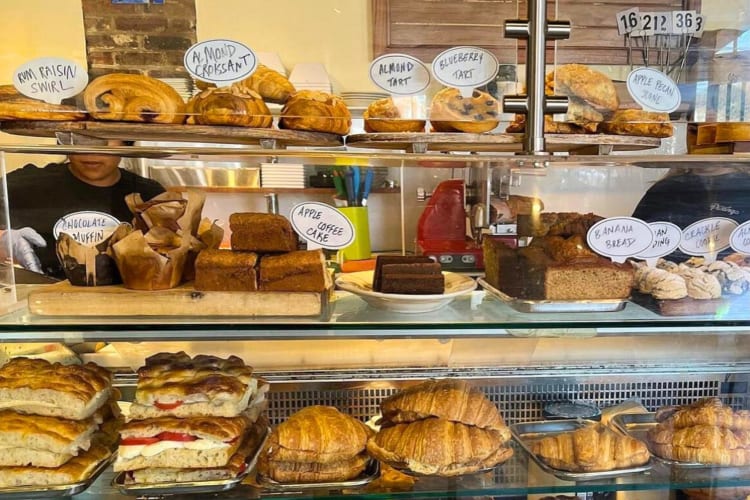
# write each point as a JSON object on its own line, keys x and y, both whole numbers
{"x": 685, "y": 196}
{"x": 39, "y": 197}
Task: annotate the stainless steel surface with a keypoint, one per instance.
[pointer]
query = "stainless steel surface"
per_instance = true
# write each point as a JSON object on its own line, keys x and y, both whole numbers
{"x": 226, "y": 176}
{"x": 556, "y": 104}
{"x": 516, "y": 28}
{"x": 515, "y": 104}
{"x": 558, "y": 30}
{"x": 371, "y": 472}
{"x": 526, "y": 434}
{"x": 272, "y": 203}
{"x": 535, "y": 72}
{"x": 54, "y": 491}
{"x": 555, "y": 306}
{"x": 188, "y": 488}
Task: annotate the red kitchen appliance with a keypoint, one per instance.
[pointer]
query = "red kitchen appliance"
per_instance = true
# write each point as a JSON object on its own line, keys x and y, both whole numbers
{"x": 442, "y": 231}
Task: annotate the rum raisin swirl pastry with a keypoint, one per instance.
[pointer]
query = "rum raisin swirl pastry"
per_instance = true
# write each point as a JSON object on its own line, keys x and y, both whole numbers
{"x": 229, "y": 106}
{"x": 16, "y": 106}
{"x": 133, "y": 98}
{"x": 384, "y": 116}
{"x": 450, "y": 112}
{"x": 316, "y": 111}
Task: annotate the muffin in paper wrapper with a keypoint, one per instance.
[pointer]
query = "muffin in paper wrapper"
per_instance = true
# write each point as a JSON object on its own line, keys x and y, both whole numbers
{"x": 90, "y": 265}
{"x": 154, "y": 255}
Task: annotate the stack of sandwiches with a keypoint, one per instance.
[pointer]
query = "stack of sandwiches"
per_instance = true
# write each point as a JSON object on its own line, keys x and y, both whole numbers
{"x": 57, "y": 423}
{"x": 193, "y": 419}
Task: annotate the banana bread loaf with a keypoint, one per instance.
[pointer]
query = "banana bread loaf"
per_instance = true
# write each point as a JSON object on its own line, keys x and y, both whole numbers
{"x": 225, "y": 270}
{"x": 298, "y": 271}
{"x": 261, "y": 233}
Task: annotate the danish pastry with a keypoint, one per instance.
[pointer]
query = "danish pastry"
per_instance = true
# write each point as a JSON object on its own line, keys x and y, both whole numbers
{"x": 451, "y": 112}
{"x": 133, "y": 98}
{"x": 229, "y": 106}
{"x": 316, "y": 111}
{"x": 384, "y": 116}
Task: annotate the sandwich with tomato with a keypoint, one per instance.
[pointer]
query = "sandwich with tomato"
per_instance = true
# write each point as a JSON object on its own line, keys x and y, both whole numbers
{"x": 174, "y": 384}
{"x": 169, "y": 442}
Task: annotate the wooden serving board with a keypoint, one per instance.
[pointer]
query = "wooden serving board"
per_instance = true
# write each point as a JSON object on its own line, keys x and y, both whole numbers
{"x": 162, "y": 132}
{"x": 512, "y": 143}
{"x": 64, "y": 299}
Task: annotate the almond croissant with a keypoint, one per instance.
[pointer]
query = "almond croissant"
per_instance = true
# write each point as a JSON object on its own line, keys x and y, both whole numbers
{"x": 439, "y": 447}
{"x": 450, "y": 399}
{"x": 592, "y": 448}
{"x": 229, "y": 106}
{"x": 709, "y": 411}
{"x": 704, "y": 444}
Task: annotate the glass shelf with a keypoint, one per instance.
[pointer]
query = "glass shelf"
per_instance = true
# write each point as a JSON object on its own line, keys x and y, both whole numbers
{"x": 472, "y": 316}
{"x": 518, "y": 476}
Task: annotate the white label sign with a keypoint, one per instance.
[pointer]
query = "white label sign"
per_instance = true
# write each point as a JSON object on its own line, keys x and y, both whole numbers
{"x": 684, "y": 21}
{"x": 700, "y": 25}
{"x": 655, "y": 23}
{"x": 50, "y": 79}
{"x": 667, "y": 237}
{"x": 740, "y": 238}
{"x": 707, "y": 237}
{"x": 322, "y": 225}
{"x": 620, "y": 237}
{"x": 627, "y": 20}
{"x": 465, "y": 67}
{"x": 222, "y": 62}
{"x": 400, "y": 74}
{"x": 87, "y": 227}
{"x": 653, "y": 90}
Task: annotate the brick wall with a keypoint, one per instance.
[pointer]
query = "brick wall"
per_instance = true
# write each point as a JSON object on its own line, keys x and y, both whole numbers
{"x": 149, "y": 39}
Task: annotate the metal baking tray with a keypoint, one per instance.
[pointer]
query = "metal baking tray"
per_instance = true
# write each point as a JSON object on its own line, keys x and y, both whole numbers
{"x": 526, "y": 433}
{"x": 55, "y": 491}
{"x": 555, "y": 306}
{"x": 409, "y": 472}
{"x": 371, "y": 472}
{"x": 637, "y": 425}
{"x": 188, "y": 488}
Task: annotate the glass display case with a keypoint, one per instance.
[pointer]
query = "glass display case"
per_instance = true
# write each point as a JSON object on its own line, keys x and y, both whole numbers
{"x": 585, "y": 197}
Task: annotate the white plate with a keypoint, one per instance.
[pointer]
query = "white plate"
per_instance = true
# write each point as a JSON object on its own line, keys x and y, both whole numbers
{"x": 360, "y": 283}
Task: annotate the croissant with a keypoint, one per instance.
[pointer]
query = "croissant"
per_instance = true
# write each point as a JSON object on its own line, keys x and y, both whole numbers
{"x": 592, "y": 448}
{"x": 709, "y": 411}
{"x": 450, "y": 399}
{"x": 704, "y": 444}
{"x": 307, "y": 472}
{"x": 133, "y": 98}
{"x": 319, "y": 434}
{"x": 438, "y": 447}
{"x": 317, "y": 112}
{"x": 269, "y": 83}
{"x": 451, "y": 112}
{"x": 15, "y": 106}
{"x": 229, "y": 106}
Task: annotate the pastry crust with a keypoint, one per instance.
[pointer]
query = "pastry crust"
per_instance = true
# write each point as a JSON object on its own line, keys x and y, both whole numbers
{"x": 592, "y": 448}
{"x": 518, "y": 125}
{"x": 638, "y": 122}
{"x": 233, "y": 106}
{"x": 42, "y": 441}
{"x": 450, "y": 399}
{"x": 317, "y": 434}
{"x": 39, "y": 387}
{"x": 75, "y": 470}
{"x": 270, "y": 84}
{"x": 133, "y": 98}
{"x": 222, "y": 429}
{"x": 298, "y": 271}
{"x": 261, "y": 232}
{"x": 317, "y": 112}
{"x": 438, "y": 447}
{"x": 708, "y": 411}
{"x": 590, "y": 85}
{"x": 450, "y": 112}
{"x": 306, "y": 472}
{"x": 16, "y": 106}
{"x": 205, "y": 385}
{"x": 384, "y": 116}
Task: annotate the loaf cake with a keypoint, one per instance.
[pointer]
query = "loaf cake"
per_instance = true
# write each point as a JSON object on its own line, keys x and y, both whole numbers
{"x": 225, "y": 270}
{"x": 261, "y": 233}
{"x": 298, "y": 271}
{"x": 411, "y": 275}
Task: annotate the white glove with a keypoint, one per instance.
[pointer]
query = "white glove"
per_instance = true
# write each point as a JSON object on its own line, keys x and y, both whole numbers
{"x": 22, "y": 244}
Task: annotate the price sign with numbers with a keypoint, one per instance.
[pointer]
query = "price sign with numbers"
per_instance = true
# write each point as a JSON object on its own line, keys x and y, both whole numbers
{"x": 627, "y": 21}
{"x": 684, "y": 21}
{"x": 700, "y": 25}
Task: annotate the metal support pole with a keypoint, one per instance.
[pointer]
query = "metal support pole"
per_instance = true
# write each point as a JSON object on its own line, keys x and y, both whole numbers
{"x": 535, "y": 66}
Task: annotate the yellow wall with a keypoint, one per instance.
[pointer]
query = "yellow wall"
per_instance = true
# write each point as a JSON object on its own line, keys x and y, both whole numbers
{"x": 336, "y": 33}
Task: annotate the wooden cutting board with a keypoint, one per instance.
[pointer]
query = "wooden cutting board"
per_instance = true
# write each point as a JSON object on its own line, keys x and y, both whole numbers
{"x": 64, "y": 299}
